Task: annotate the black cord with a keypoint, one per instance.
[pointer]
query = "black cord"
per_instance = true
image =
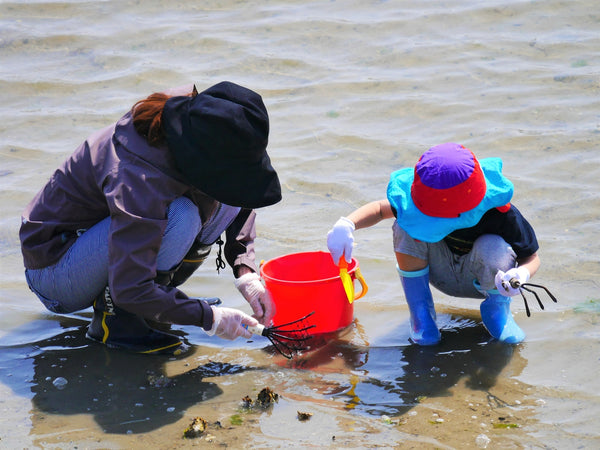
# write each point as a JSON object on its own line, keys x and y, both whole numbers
{"x": 220, "y": 262}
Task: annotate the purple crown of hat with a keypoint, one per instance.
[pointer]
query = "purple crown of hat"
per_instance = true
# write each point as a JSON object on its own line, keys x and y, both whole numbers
{"x": 448, "y": 181}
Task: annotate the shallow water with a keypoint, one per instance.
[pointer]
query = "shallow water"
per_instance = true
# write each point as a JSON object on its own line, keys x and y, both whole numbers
{"x": 354, "y": 91}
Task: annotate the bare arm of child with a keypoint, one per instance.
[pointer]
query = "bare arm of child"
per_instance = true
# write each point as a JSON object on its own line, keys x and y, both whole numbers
{"x": 532, "y": 263}
{"x": 371, "y": 214}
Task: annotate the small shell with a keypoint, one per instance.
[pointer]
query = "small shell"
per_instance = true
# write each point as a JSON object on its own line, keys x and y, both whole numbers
{"x": 302, "y": 416}
{"x": 196, "y": 428}
{"x": 266, "y": 397}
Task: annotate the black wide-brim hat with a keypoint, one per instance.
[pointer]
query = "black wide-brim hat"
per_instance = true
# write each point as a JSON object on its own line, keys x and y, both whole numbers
{"x": 219, "y": 140}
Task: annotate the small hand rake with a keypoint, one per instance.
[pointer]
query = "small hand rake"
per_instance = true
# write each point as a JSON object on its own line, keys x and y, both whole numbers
{"x": 288, "y": 338}
{"x": 516, "y": 284}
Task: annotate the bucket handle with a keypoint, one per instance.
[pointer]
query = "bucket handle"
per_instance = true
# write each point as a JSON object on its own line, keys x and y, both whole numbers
{"x": 363, "y": 284}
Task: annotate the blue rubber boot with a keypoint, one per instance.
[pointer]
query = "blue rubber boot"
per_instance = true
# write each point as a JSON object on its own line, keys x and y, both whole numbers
{"x": 423, "y": 329}
{"x": 497, "y": 318}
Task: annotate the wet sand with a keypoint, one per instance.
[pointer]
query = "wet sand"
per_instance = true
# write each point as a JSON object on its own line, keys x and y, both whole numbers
{"x": 468, "y": 392}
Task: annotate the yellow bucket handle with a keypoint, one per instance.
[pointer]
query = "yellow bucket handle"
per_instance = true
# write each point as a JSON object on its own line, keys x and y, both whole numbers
{"x": 363, "y": 284}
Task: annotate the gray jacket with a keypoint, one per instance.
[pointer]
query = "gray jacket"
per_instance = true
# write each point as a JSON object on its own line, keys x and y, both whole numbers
{"x": 116, "y": 173}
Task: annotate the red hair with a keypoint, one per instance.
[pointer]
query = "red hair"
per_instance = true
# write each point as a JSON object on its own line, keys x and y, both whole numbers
{"x": 147, "y": 117}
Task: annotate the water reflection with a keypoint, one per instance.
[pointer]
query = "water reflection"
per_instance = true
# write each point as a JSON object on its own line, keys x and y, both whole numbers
{"x": 392, "y": 379}
{"x": 130, "y": 393}
{"x": 124, "y": 392}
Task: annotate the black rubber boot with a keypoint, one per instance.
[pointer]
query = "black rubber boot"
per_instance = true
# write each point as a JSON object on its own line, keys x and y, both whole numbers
{"x": 194, "y": 258}
{"x": 117, "y": 328}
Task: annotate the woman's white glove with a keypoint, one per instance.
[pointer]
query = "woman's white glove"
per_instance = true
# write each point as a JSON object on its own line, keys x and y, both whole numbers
{"x": 228, "y": 323}
{"x": 257, "y": 296}
{"x": 521, "y": 274}
{"x": 340, "y": 240}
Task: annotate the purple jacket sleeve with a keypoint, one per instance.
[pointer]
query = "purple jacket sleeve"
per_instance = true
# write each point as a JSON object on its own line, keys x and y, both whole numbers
{"x": 239, "y": 244}
{"x": 138, "y": 221}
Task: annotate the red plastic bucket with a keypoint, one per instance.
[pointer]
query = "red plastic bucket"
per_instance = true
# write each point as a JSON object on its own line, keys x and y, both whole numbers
{"x": 301, "y": 283}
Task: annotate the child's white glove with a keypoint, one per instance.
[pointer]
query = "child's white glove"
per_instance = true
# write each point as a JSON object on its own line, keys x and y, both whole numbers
{"x": 227, "y": 323}
{"x": 257, "y": 296}
{"x": 502, "y": 280}
{"x": 340, "y": 240}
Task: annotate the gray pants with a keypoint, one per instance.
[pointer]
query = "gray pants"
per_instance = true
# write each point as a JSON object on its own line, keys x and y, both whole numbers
{"x": 454, "y": 274}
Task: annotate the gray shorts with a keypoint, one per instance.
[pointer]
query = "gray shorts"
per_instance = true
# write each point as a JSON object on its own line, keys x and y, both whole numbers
{"x": 454, "y": 274}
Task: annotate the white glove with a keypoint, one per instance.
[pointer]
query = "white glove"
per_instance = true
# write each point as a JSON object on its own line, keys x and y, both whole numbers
{"x": 228, "y": 323}
{"x": 502, "y": 280}
{"x": 257, "y": 296}
{"x": 340, "y": 240}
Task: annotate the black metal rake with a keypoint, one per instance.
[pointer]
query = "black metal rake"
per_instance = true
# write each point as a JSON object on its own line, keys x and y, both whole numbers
{"x": 288, "y": 338}
{"x": 516, "y": 284}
